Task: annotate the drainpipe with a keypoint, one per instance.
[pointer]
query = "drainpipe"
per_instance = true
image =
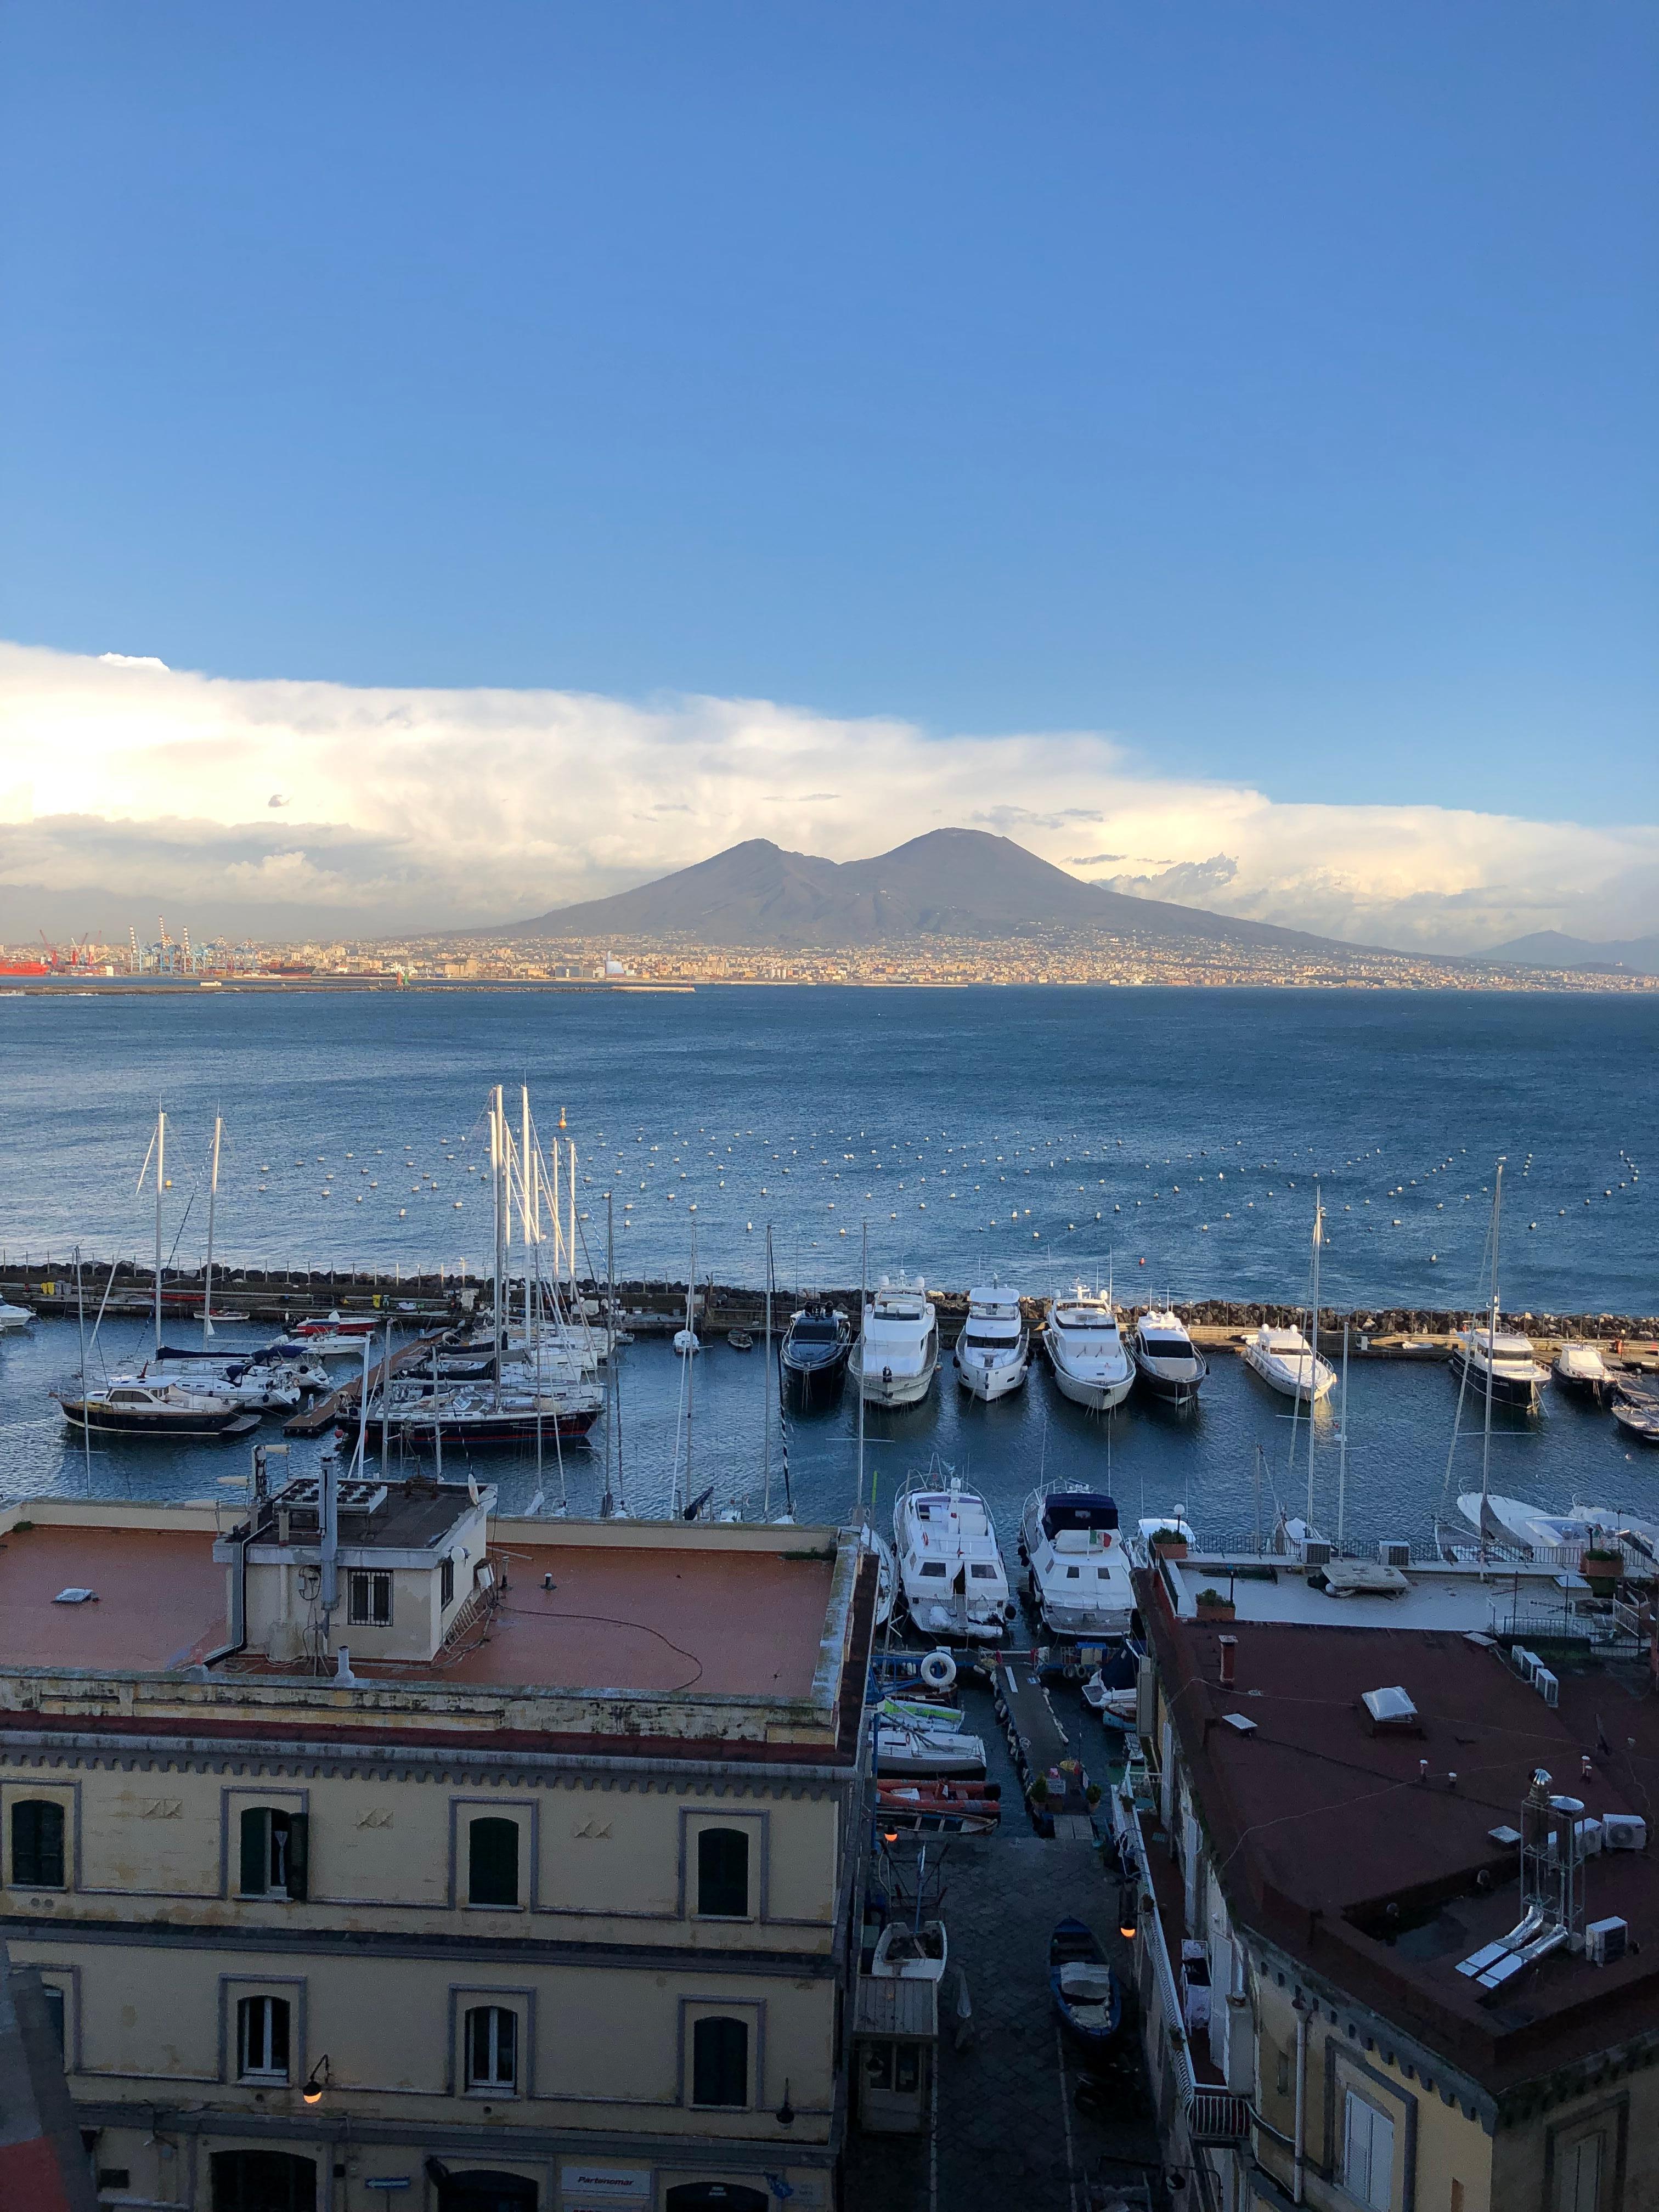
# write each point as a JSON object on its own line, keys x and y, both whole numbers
{"x": 1304, "y": 2012}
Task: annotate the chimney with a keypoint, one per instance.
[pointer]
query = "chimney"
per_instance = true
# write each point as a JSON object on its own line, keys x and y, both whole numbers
{"x": 1229, "y": 1658}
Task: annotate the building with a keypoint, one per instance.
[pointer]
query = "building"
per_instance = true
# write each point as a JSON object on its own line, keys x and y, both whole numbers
{"x": 519, "y": 1874}
{"x": 1344, "y": 1807}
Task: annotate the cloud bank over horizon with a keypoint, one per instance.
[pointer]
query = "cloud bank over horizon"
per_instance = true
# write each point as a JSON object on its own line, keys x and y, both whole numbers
{"x": 285, "y": 808}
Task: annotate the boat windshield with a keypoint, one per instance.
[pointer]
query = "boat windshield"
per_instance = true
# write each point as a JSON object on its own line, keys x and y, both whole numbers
{"x": 814, "y": 1332}
{"x": 1079, "y": 1508}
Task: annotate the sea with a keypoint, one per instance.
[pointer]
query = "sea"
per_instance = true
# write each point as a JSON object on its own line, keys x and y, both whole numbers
{"x": 1161, "y": 1141}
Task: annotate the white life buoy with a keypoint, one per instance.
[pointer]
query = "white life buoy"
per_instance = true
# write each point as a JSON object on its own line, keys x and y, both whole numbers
{"x": 938, "y": 1670}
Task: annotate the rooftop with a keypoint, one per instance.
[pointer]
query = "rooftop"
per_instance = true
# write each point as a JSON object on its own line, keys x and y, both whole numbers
{"x": 724, "y": 1630}
{"x": 1321, "y": 1826}
{"x": 1454, "y": 1598}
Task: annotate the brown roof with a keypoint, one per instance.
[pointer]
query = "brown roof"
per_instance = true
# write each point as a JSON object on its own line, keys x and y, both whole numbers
{"x": 1318, "y": 1826}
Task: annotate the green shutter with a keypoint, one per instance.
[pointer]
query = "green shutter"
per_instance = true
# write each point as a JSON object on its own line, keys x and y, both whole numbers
{"x": 256, "y": 1852}
{"x": 299, "y": 1857}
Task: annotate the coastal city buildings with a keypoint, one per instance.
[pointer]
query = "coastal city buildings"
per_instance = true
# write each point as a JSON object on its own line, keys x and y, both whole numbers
{"x": 373, "y": 1849}
{"x": 1389, "y": 1877}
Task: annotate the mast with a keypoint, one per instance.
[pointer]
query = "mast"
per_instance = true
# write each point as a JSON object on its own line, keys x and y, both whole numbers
{"x": 1342, "y": 1460}
{"x": 863, "y": 1292}
{"x": 81, "y": 1322}
{"x": 497, "y": 1147}
{"x": 161, "y": 1184}
{"x": 570, "y": 1208}
{"x": 766, "y": 1394}
{"x": 1312, "y": 1360}
{"x": 530, "y": 1214}
{"x": 1492, "y": 1343}
{"x": 690, "y": 1357}
{"x": 607, "y": 1507}
{"x": 213, "y": 1193}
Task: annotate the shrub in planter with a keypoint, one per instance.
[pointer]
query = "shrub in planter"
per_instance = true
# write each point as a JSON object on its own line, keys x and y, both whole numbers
{"x": 1170, "y": 1543}
{"x": 1601, "y": 1570}
{"x": 1211, "y": 1605}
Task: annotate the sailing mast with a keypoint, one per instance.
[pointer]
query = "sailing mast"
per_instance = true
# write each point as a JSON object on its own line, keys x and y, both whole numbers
{"x": 1313, "y": 1359}
{"x": 497, "y": 1147}
{"x": 161, "y": 1184}
{"x": 213, "y": 1193}
{"x": 766, "y": 1392}
{"x": 863, "y": 1292}
{"x": 1491, "y": 1345}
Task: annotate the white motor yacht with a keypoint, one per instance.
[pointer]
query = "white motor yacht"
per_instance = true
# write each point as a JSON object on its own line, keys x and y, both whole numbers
{"x": 14, "y": 1317}
{"x": 1169, "y": 1364}
{"x": 1286, "y": 1363}
{"x": 1515, "y": 1376}
{"x": 950, "y": 1572}
{"x": 1079, "y": 1569}
{"x": 256, "y": 1387}
{"x": 994, "y": 1351}
{"x": 1581, "y": 1367}
{"x": 1086, "y": 1350}
{"x": 1529, "y": 1529}
{"x": 337, "y": 1335}
{"x": 898, "y": 1351}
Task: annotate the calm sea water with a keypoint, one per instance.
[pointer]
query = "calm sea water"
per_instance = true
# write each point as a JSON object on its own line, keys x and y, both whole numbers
{"x": 1036, "y": 1134}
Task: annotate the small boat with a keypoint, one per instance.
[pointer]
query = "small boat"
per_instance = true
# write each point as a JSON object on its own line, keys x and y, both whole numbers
{"x": 1085, "y": 1350}
{"x": 910, "y": 1954}
{"x": 1117, "y": 1708}
{"x": 1581, "y": 1367}
{"x": 14, "y": 1317}
{"x": 911, "y": 1754}
{"x": 812, "y": 1359}
{"x": 886, "y": 1578}
{"x": 1286, "y": 1363}
{"x": 286, "y": 1357}
{"x": 951, "y": 1577}
{"x": 896, "y": 1356}
{"x": 1514, "y": 1375}
{"x": 994, "y": 1351}
{"x": 739, "y": 1340}
{"x": 1636, "y": 1413}
{"x": 939, "y": 1809}
{"x": 1168, "y": 1364}
{"x": 129, "y": 1407}
{"x": 1079, "y": 1569}
{"x": 1085, "y": 1990}
{"x": 336, "y": 1335}
{"x": 256, "y": 1389}
{"x": 687, "y": 1342}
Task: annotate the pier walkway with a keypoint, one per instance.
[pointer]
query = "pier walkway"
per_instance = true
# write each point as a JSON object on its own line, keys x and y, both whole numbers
{"x": 341, "y": 1405}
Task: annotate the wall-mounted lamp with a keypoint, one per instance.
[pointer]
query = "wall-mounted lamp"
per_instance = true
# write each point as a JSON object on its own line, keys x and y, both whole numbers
{"x": 1127, "y": 1902}
{"x": 316, "y": 2081}
{"x": 785, "y": 2112}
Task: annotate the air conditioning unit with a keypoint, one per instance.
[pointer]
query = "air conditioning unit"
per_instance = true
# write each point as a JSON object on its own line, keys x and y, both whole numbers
{"x": 1591, "y": 1837}
{"x": 1624, "y": 1832}
{"x": 1606, "y": 1941}
{"x": 1546, "y": 1686}
{"x": 1525, "y": 1662}
{"x": 1394, "y": 1554}
{"x": 1317, "y": 1553}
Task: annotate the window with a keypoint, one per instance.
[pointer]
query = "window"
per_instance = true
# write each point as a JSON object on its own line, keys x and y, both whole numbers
{"x": 723, "y": 1874}
{"x": 1368, "y": 2155}
{"x": 1579, "y": 2165}
{"x": 37, "y": 1844}
{"x": 275, "y": 1853}
{"x": 369, "y": 1600}
{"x": 982, "y": 1572}
{"x": 720, "y": 2062}
{"x": 1073, "y": 1574}
{"x": 446, "y": 1581}
{"x": 492, "y": 1863}
{"x": 262, "y": 2040}
{"x": 933, "y": 1567}
{"x": 492, "y": 2048}
{"x": 54, "y": 1998}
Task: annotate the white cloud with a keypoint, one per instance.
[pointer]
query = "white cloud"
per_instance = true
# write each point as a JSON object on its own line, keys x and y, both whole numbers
{"x": 127, "y": 784}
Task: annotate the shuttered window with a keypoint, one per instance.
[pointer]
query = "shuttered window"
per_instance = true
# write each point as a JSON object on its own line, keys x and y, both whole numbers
{"x": 37, "y": 1844}
{"x": 492, "y": 1863}
{"x": 275, "y": 1853}
{"x": 1368, "y": 2155}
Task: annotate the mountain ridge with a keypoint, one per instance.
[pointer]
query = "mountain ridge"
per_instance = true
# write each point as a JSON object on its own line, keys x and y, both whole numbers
{"x": 946, "y": 883}
{"x": 1554, "y": 948}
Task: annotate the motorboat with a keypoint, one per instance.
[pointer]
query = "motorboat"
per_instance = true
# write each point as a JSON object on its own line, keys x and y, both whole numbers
{"x": 886, "y": 1578}
{"x": 258, "y": 1389}
{"x": 1079, "y": 1569}
{"x": 951, "y": 1573}
{"x": 1509, "y": 1369}
{"x": 1526, "y": 1528}
{"x": 286, "y": 1357}
{"x": 812, "y": 1359}
{"x": 1636, "y": 1413}
{"x": 1117, "y": 1708}
{"x": 687, "y": 1342}
{"x": 337, "y": 1335}
{"x": 14, "y": 1318}
{"x": 1286, "y": 1363}
{"x": 932, "y": 1808}
{"x": 131, "y": 1407}
{"x": 910, "y": 1954}
{"x": 1167, "y": 1362}
{"x": 1086, "y": 1350}
{"x": 1087, "y": 1997}
{"x": 1581, "y": 1367}
{"x": 896, "y": 1354}
{"x": 1173, "y": 1528}
{"x": 913, "y": 1754}
{"x": 993, "y": 1350}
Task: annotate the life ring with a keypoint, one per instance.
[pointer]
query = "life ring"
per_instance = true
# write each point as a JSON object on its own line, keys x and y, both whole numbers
{"x": 938, "y": 1670}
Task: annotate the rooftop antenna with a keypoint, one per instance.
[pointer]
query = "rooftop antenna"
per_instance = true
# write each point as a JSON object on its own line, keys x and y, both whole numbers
{"x": 328, "y": 1594}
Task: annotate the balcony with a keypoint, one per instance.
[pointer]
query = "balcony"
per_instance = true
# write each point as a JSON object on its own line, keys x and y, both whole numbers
{"x": 1219, "y": 2117}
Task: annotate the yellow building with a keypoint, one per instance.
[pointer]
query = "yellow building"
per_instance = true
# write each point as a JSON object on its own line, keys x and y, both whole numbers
{"x": 445, "y": 1860}
{"x": 1397, "y": 1919}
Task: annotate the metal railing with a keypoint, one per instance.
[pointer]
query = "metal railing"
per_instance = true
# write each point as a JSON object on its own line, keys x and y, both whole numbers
{"x": 1218, "y": 2116}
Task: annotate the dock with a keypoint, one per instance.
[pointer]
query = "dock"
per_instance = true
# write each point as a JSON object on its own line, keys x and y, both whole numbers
{"x": 341, "y": 1405}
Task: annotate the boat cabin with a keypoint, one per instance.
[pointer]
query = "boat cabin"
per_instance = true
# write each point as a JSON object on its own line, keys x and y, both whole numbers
{"x": 1078, "y": 1520}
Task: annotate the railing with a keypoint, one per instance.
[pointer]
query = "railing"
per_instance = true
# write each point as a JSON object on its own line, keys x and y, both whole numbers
{"x": 1218, "y": 2116}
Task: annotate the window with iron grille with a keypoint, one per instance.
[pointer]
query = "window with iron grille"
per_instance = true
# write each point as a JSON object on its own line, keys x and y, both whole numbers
{"x": 369, "y": 1598}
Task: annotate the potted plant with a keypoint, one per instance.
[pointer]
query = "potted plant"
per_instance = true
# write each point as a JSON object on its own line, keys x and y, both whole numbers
{"x": 1170, "y": 1543}
{"x": 1039, "y": 1790}
{"x": 1211, "y": 1605}
{"x": 1602, "y": 1570}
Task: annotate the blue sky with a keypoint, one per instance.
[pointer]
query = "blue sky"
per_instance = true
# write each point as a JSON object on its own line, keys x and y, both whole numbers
{"x": 1270, "y": 386}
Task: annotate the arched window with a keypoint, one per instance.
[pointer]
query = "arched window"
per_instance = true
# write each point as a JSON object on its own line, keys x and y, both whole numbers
{"x": 720, "y": 2062}
{"x": 37, "y": 1844}
{"x": 262, "y": 2040}
{"x": 492, "y": 1863}
{"x": 723, "y": 1874}
{"x": 492, "y": 2048}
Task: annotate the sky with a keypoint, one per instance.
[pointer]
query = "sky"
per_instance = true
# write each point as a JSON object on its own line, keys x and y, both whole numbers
{"x": 1218, "y": 438}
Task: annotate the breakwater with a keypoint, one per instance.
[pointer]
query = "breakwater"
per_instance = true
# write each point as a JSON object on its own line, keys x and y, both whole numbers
{"x": 51, "y": 1285}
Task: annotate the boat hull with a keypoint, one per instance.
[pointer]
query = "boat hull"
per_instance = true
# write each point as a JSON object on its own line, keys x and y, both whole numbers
{"x": 1506, "y": 1389}
{"x": 814, "y": 1386}
{"x": 146, "y": 1423}
{"x": 1278, "y": 1377}
{"x": 1093, "y": 1397}
{"x": 990, "y": 1383}
{"x": 492, "y": 1429}
{"x": 885, "y": 1388}
{"x": 1180, "y": 1391}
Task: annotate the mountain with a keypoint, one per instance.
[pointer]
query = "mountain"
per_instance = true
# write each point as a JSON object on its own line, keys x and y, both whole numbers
{"x": 949, "y": 883}
{"x": 1550, "y": 948}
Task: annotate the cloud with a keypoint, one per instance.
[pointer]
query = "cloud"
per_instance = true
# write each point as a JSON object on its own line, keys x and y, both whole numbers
{"x": 128, "y": 788}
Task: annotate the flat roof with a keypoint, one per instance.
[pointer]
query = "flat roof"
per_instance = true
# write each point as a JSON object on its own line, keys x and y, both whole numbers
{"x": 1454, "y": 1598}
{"x": 643, "y": 1608}
{"x": 1317, "y": 1825}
